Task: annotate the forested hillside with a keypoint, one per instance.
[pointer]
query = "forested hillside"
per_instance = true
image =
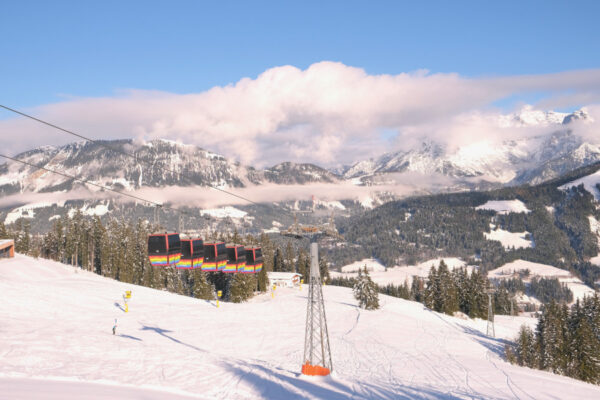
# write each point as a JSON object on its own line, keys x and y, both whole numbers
{"x": 415, "y": 229}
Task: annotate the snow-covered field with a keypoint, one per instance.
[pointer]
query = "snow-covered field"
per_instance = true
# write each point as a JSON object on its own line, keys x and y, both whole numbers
{"x": 534, "y": 268}
{"x": 509, "y": 239}
{"x": 589, "y": 183}
{"x": 504, "y": 206}
{"x": 224, "y": 212}
{"x": 595, "y": 228}
{"x": 578, "y": 288}
{"x": 371, "y": 264}
{"x": 398, "y": 275}
{"x": 56, "y": 343}
{"x": 27, "y": 211}
{"x": 99, "y": 209}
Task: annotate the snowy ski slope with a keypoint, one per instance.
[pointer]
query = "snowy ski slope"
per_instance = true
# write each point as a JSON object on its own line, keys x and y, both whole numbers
{"x": 56, "y": 343}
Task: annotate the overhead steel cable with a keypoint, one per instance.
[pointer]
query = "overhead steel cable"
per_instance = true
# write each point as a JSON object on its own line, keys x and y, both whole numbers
{"x": 132, "y": 155}
{"x": 151, "y": 202}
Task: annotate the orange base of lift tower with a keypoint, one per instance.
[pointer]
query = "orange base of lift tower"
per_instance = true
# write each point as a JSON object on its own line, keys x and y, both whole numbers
{"x": 314, "y": 370}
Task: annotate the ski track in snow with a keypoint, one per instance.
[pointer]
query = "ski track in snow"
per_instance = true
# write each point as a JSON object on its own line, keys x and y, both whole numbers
{"x": 55, "y": 335}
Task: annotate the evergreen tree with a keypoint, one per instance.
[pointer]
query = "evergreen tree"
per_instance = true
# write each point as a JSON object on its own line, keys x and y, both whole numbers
{"x": 502, "y": 301}
{"x": 431, "y": 289}
{"x": 417, "y": 289}
{"x": 241, "y": 288}
{"x": 526, "y": 347}
{"x": 477, "y": 298}
{"x": 288, "y": 260}
{"x": 278, "y": 261}
{"x": 447, "y": 298}
{"x": 236, "y": 238}
{"x": 303, "y": 264}
{"x": 268, "y": 252}
{"x": 585, "y": 348}
{"x": 461, "y": 281}
{"x": 3, "y": 231}
{"x": 98, "y": 233}
{"x": 262, "y": 280}
{"x": 201, "y": 288}
{"x": 365, "y": 291}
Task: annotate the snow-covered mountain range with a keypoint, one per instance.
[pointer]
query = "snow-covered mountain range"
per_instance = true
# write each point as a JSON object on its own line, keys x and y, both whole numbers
{"x": 529, "y": 160}
{"x": 430, "y": 167}
{"x": 158, "y": 163}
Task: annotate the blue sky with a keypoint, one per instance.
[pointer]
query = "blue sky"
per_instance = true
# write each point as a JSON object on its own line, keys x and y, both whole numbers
{"x": 52, "y": 50}
{"x": 328, "y": 82}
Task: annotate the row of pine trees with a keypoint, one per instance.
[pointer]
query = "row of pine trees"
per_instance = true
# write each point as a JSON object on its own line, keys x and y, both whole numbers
{"x": 447, "y": 291}
{"x": 118, "y": 249}
{"x": 566, "y": 341}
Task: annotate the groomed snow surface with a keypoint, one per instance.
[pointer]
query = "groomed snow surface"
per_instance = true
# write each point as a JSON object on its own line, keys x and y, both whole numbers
{"x": 56, "y": 343}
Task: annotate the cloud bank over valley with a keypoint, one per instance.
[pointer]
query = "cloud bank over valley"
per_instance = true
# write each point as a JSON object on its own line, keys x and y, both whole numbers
{"x": 329, "y": 114}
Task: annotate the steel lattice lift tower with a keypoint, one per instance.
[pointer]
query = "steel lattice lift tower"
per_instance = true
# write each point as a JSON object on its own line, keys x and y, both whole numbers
{"x": 317, "y": 352}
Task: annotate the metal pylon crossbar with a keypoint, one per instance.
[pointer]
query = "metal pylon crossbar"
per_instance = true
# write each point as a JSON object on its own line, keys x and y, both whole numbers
{"x": 317, "y": 353}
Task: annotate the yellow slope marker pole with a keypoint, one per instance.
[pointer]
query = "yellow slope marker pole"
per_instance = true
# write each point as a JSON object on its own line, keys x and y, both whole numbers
{"x": 301, "y": 282}
{"x": 219, "y": 294}
{"x": 126, "y": 298}
{"x": 273, "y": 292}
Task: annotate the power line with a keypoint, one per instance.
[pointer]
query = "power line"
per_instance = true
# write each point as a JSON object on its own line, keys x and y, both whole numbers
{"x": 131, "y": 155}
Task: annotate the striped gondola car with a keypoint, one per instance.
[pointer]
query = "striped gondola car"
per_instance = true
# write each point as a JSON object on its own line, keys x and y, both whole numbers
{"x": 192, "y": 254}
{"x": 254, "y": 260}
{"x": 236, "y": 259}
{"x": 164, "y": 249}
{"x": 215, "y": 257}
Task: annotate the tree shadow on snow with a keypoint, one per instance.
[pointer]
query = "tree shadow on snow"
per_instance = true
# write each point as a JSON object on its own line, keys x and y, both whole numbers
{"x": 163, "y": 332}
{"x": 347, "y": 304}
{"x": 494, "y": 345}
{"x": 278, "y": 384}
{"x": 130, "y": 337}
{"x": 119, "y": 306}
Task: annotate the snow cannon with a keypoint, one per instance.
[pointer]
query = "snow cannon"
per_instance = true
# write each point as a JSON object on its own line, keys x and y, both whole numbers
{"x": 164, "y": 249}
{"x": 315, "y": 370}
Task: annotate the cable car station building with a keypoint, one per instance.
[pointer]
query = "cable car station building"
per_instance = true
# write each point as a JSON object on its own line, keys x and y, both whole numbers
{"x": 7, "y": 248}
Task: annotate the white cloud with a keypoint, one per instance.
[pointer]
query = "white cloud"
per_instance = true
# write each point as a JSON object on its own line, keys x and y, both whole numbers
{"x": 400, "y": 184}
{"x": 328, "y": 114}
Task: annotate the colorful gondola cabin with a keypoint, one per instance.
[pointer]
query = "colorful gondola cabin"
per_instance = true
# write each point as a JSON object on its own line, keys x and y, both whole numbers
{"x": 164, "y": 249}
